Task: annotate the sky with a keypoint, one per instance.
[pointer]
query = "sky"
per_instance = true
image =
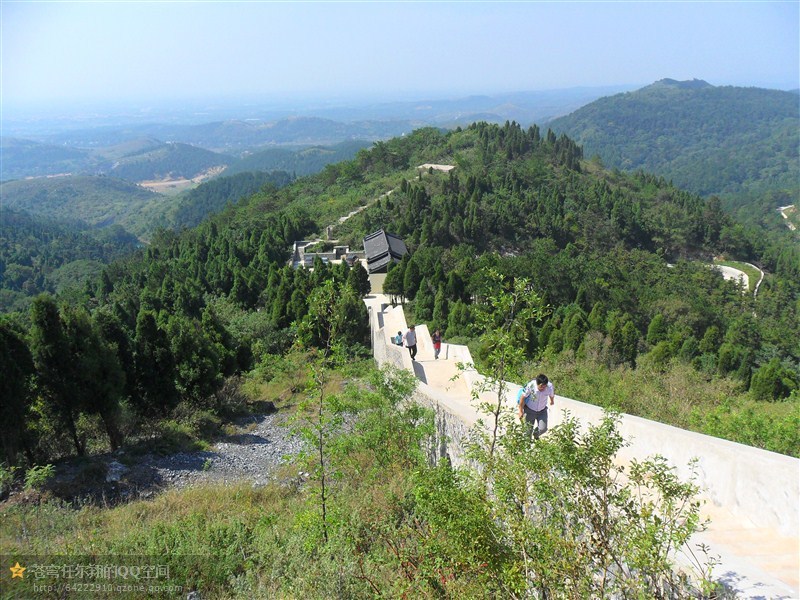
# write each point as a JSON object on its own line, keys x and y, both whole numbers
{"x": 54, "y": 52}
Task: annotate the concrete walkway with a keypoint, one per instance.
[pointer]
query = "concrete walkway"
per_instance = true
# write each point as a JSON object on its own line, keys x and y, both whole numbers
{"x": 750, "y": 495}
{"x": 733, "y": 274}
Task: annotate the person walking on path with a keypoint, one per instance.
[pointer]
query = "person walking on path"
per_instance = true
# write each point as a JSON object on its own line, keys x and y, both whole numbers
{"x": 410, "y": 340}
{"x": 532, "y": 402}
{"x": 436, "y": 338}
{"x": 398, "y": 339}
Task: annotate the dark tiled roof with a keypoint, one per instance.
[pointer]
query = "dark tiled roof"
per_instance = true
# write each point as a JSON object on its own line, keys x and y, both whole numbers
{"x": 397, "y": 247}
{"x": 381, "y": 248}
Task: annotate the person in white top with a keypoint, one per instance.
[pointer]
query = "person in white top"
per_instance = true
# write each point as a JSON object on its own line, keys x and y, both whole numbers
{"x": 410, "y": 340}
{"x": 533, "y": 403}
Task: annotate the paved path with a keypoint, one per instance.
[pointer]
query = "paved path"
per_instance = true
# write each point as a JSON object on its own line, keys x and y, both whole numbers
{"x": 757, "y": 562}
{"x": 784, "y": 213}
{"x": 732, "y": 274}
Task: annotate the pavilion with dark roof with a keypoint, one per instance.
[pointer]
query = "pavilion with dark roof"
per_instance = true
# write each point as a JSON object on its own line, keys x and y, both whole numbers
{"x": 382, "y": 248}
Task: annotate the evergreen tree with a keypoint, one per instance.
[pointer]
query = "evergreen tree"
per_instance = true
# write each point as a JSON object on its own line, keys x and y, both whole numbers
{"x": 155, "y": 367}
{"x": 55, "y": 368}
{"x": 440, "y": 309}
{"x": 657, "y": 330}
{"x": 98, "y": 373}
{"x": 411, "y": 279}
{"x": 358, "y": 280}
{"x": 575, "y": 327}
{"x": 711, "y": 340}
{"x": 352, "y": 314}
{"x": 423, "y": 303}
{"x": 198, "y": 369}
{"x": 16, "y": 383}
{"x": 393, "y": 284}
{"x": 773, "y": 381}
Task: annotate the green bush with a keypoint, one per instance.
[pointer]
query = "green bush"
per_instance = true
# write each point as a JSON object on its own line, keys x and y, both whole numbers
{"x": 38, "y": 476}
{"x": 171, "y": 437}
{"x": 6, "y": 479}
{"x": 773, "y": 381}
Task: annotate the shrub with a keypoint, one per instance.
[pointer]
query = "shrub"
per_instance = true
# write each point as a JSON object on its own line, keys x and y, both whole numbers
{"x": 773, "y": 381}
{"x": 6, "y": 479}
{"x": 38, "y": 476}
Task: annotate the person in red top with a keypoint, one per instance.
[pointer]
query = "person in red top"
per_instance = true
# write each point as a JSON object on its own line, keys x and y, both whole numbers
{"x": 436, "y": 338}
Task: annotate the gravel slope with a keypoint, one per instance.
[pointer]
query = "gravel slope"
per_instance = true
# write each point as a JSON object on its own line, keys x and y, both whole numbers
{"x": 252, "y": 455}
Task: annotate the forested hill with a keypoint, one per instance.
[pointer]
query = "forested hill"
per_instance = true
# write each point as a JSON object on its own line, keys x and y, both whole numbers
{"x": 87, "y": 200}
{"x": 739, "y": 143}
{"x": 161, "y": 331}
{"x": 39, "y": 255}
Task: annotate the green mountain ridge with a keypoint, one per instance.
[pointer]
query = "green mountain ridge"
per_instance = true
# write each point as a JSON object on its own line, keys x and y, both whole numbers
{"x": 167, "y": 161}
{"x": 144, "y": 159}
{"x": 202, "y": 305}
{"x": 738, "y": 143}
{"x": 100, "y": 200}
{"x": 94, "y": 201}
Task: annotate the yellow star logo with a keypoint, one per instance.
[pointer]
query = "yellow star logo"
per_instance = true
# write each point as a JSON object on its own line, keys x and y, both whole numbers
{"x": 17, "y": 571}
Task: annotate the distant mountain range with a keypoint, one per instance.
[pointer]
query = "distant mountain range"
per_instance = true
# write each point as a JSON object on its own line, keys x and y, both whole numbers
{"x": 739, "y": 143}
{"x": 132, "y": 146}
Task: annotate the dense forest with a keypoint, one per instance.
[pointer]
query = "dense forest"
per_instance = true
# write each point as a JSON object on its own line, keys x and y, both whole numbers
{"x": 738, "y": 143}
{"x": 212, "y": 196}
{"x": 77, "y": 210}
{"x": 38, "y": 255}
{"x": 620, "y": 260}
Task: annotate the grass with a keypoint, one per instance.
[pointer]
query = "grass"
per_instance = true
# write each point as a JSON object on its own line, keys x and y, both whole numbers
{"x": 206, "y": 535}
{"x": 753, "y": 274}
{"x": 681, "y": 396}
{"x": 228, "y": 541}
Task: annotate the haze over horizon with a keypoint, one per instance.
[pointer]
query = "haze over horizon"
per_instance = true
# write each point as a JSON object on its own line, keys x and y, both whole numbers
{"x": 62, "y": 53}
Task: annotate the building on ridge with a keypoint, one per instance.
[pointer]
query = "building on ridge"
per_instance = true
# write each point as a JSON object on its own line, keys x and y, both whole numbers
{"x": 301, "y": 258}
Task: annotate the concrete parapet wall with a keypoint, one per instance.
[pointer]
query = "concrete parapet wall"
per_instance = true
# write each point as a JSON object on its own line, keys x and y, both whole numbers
{"x": 761, "y": 487}
{"x": 451, "y": 429}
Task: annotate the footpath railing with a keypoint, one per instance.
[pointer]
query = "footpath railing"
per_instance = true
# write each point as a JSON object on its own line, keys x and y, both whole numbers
{"x": 758, "y": 490}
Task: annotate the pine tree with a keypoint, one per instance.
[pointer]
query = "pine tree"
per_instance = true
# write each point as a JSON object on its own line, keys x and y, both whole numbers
{"x": 16, "y": 381}
{"x": 358, "y": 280}
{"x": 155, "y": 367}
{"x": 423, "y": 302}
{"x": 411, "y": 279}
{"x": 54, "y": 366}
{"x": 440, "y": 309}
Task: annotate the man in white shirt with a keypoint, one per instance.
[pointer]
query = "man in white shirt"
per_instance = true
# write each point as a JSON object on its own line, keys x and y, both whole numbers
{"x": 410, "y": 339}
{"x": 533, "y": 403}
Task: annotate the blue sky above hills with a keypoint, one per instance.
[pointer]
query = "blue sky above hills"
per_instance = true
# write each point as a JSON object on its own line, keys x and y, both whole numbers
{"x": 56, "y": 52}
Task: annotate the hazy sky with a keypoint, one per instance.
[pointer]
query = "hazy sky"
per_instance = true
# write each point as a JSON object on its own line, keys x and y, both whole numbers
{"x": 59, "y": 51}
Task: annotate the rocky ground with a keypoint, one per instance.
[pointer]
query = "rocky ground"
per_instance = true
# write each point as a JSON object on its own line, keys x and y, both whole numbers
{"x": 263, "y": 444}
{"x": 254, "y": 454}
